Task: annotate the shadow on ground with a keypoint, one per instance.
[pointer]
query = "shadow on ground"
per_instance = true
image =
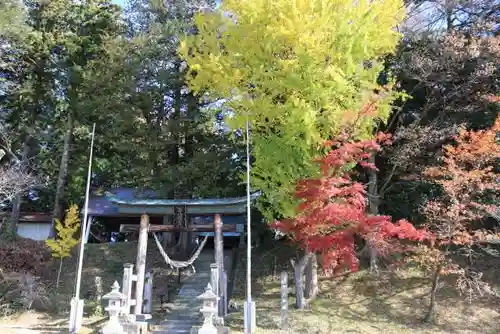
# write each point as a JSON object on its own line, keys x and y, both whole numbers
{"x": 395, "y": 301}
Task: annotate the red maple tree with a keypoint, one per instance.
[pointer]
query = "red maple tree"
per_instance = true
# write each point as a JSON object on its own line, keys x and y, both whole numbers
{"x": 332, "y": 213}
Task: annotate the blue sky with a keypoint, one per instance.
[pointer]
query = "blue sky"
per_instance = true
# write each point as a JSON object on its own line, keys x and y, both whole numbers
{"x": 119, "y": 2}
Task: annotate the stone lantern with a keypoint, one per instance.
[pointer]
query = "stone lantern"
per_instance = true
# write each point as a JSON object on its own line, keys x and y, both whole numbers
{"x": 208, "y": 310}
{"x": 115, "y": 298}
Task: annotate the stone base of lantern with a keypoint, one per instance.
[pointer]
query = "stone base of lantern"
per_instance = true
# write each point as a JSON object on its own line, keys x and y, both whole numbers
{"x": 218, "y": 330}
{"x": 135, "y": 324}
{"x": 112, "y": 328}
{"x": 143, "y": 317}
{"x": 135, "y": 328}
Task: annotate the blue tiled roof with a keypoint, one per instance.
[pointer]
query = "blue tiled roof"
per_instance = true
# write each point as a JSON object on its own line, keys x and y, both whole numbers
{"x": 101, "y": 205}
{"x": 170, "y": 202}
{"x": 107, "y": 203}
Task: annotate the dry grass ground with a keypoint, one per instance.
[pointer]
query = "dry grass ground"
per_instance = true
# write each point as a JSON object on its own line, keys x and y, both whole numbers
{"x": 393, "y": 302}
{"x": 103, "y": 260}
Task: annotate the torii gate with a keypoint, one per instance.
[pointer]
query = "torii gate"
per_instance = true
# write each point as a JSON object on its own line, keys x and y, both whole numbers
{"x": 198, "y": 207}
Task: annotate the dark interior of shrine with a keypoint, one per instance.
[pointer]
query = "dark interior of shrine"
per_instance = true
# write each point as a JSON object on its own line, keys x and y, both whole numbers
{"x": 107, "y": 229}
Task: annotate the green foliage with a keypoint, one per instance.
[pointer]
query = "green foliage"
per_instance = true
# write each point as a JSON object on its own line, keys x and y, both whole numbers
{"x": 123, "y": 72}
{"x": 299, "y": 70}
{"x": 66, "y": 230}
{"x": 47, "y": 70}
{"x": 11, "y": 18}
{"x": 157, "y": 134}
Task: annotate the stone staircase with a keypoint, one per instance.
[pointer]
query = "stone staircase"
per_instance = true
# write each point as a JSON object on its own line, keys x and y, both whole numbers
{"x": 185, "y": 311}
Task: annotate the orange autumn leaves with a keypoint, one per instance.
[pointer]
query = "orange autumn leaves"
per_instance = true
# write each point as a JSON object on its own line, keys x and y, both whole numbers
{"x": 469, "y": 183}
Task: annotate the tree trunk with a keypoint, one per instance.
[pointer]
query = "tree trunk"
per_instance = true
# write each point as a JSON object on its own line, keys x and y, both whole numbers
{"x": 59, "y": 273}
{"x": 299, "y": 288}
{"x": 16, "y": 203}
{"x": 373, "y": 260}
{"x": 449, "y": 13}
{"x": 311, "y": 282}
{"x": 185, "y": 243}
{"x": 175, "y": 153}
{"x": 168, "y": 237}
{"x": 184, "y": 237}
{"x": 191, "y": 137}
{"x": 430, "y": 317}
{"x": 298, "y": 270}
{"x": 34, "y": 110}
{"x": 63, "y": 174}
{"x": 373, "y": 205}
{"x": 175, "y": 157}
{"x": 14, "y": 217}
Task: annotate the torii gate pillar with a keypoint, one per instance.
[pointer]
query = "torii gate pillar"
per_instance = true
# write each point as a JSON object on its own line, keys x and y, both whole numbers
{"x": 219, "y": 260}
{"x": 140, "y": 263}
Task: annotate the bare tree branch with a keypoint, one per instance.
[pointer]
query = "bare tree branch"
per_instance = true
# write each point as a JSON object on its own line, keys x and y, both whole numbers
{"x": 14, "y": 180}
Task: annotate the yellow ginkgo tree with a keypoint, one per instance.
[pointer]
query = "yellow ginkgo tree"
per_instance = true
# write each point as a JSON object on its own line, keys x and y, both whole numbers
{"x": 299, "y": 70}
{"x": 66, "y": 238}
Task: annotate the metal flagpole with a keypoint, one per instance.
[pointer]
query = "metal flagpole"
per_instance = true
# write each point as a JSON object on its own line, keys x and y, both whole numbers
{"x": 249, "y": 304}
{"x": 76, "y": 313}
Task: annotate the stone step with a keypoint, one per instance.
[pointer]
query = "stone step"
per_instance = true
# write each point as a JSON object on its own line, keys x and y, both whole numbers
{"x": 185, "y": 309}
{"x": 179, "y": 327}
{"x": 178, "y": 322}
{"x": 183, "y": 314}
{"x": 169, "y": 329}
{"x": 220, "y": 330}
{"x": 192, "y": 288}
{"x": 193, "y": 293}
{"x": 181, "y": 317}
{"x": 187, "y": 300}
{"x": 192, "y": 298}
{"x": 175, "y": 329}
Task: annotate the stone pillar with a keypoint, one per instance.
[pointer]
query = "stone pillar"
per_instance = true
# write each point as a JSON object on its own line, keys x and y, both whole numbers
{"x": 140, "y": 264}
{"x": 284, "y": 301}
{"x": 148, "y": 293}
{"x": 98, "y": 294}
{"x": 223, "y": 294}
{"x": 128, "y": 271}
{"x": 214, "y": 282}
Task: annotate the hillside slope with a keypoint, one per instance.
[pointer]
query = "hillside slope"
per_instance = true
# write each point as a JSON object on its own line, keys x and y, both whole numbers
{"x": 50, "y": 305}
{"x": 395, "y": 301}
